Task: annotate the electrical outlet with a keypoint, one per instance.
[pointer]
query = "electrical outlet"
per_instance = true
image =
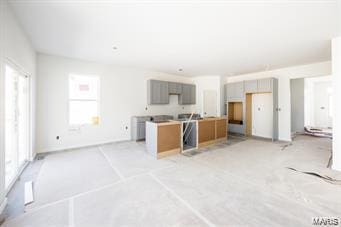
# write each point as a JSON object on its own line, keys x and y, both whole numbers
{"x": 126, "y": 127}
{"x": 57, "y": 137}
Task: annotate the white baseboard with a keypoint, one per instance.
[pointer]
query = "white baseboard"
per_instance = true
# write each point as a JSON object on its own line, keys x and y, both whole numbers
{"x": 50, "y": 149}
{"x": 3, "y": 205}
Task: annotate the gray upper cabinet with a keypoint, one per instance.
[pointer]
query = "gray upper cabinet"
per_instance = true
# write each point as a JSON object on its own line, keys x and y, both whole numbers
{"x": 225, "y": 92}
{"x": 239, "y": 90}
{"x": 157, "y": 92}
{"x": 265, "y": 85}
{"x": 230, "y": 91}
{"x": 188, "y": 95}
{"x": 174, "y": 88}
{"x": 235, "y": 90}
{"x": 193, "y": 94}
{"x": 251, "y": 86}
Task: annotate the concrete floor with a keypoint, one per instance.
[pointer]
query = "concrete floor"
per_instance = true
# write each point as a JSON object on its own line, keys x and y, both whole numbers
{"x": 236, "y": 184}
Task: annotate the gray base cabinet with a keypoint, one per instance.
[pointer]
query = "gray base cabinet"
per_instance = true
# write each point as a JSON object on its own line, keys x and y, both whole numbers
{"x": 138, "y": 125}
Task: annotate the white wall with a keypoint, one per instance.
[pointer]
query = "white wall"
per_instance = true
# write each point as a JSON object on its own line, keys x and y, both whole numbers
{"x": 16, "y": 49}
{"x": 284, "y": 75}
{"x": 336, "y": 75}
{"x": 203, "y": 83}
{"x": 123, "y": 95}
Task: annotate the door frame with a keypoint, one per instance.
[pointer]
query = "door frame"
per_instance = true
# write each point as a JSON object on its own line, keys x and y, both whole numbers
{"x": 11, "y": 63}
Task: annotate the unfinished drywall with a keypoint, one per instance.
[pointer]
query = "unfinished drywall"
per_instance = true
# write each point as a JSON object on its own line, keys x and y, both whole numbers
{"x": 284, "y": 75}
{"x": 123, "y": 94}
{"x": 297, "y": 105}
{"x": 15, "y": 49}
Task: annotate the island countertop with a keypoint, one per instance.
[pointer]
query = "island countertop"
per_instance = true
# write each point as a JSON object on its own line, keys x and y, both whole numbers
{"x": 166, "y": 122}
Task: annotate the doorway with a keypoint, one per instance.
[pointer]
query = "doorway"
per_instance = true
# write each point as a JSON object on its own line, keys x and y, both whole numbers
{"x": 17, "y": 118}
{"x": 210, "y": 103}
{"x": 318, "y": 102}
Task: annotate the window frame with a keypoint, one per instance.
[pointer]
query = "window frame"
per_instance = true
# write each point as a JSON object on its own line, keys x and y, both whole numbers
{"x": 98, "y": 100}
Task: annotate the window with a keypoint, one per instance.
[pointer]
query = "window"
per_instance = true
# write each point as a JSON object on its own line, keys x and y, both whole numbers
{"x": 83, "y": 100}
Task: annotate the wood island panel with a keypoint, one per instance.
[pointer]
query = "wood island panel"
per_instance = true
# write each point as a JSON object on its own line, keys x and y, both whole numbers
{"x": 221, "y": 127}
{"x": 206, "y": 130}
{"x": 168, "y": 137}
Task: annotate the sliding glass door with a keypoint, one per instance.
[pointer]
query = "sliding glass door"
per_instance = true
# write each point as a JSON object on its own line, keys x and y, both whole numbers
{"x": 16, "y": 123}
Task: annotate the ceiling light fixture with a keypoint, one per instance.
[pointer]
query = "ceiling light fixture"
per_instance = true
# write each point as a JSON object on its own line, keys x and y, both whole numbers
{"x": 180, "y": 70}
{"x": 114, "y": 48}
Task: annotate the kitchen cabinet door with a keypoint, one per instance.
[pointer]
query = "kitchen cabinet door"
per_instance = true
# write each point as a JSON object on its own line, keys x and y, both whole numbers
{"x": 235, "y": 90}
{"x": 265, "y": 85}
{"x": 164, "y": 94}
{"x": 184, "y": 98}
{"x": 174, "y": 88}
{"x": 225, "y": 93}
{"x": 193, "y": 94}
{"x": 239, "y": 90}
{"x": 251, "y": 86}
{"x": 178, "y": 88}
{"x": 230, "y": 91}
{"x": 141, "y": 131}
{"x": 157, "y": 92}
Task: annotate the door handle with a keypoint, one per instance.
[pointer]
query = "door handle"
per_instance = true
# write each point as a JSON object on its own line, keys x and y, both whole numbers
{"x": 322, "y": 108}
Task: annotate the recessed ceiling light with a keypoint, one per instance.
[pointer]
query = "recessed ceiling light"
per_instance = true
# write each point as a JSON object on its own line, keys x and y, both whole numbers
{"x": 180, "y": 70}
{"x": 114, "y": 48}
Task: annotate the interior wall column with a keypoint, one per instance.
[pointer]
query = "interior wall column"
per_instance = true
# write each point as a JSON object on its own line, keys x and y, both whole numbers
{"x": 336, "y": 78}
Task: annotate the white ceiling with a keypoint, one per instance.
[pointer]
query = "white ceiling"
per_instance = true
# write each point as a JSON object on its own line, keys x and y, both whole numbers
{"x": 202, "y": 38}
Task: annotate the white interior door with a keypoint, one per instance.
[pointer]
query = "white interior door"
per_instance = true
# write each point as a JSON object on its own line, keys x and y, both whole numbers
{"x": 210, "y": 103}
{"x": 16, "y": 123}
{"x": 262, "y": 112}
{"x": 322, "y": 104}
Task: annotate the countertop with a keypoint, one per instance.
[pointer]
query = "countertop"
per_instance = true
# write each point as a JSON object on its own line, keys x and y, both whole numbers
{"x": 163, "y": 123}
{"x": 212, "y": 118}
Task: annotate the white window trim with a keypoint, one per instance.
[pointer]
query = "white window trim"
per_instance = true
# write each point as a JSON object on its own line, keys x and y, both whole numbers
{"x": 76, "y": 127}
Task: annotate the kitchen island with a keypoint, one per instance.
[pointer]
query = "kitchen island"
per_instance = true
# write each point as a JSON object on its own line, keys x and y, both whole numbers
{"x": 212, "y": 130}
{"x": 163, "y": 138}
